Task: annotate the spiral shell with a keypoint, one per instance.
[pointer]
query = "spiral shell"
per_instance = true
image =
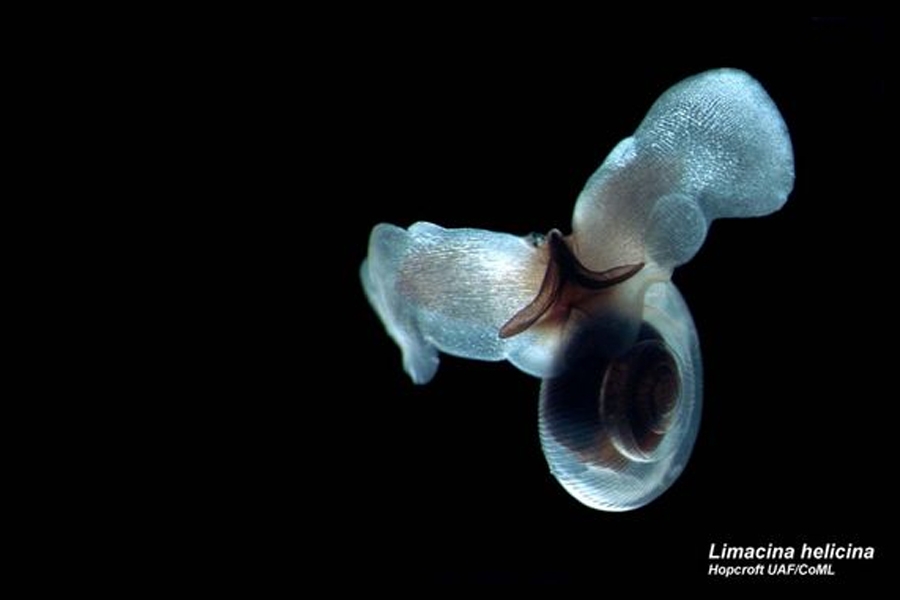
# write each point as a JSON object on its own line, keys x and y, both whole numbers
{"x": 618, "y": 422}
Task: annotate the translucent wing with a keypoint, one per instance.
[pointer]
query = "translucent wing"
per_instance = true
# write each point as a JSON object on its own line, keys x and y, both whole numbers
{"x": 452, "y": 290}
{"x": 712, "y": 146}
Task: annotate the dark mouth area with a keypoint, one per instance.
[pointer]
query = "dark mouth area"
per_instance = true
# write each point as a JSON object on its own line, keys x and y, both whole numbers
{"x": 563, "y": 269}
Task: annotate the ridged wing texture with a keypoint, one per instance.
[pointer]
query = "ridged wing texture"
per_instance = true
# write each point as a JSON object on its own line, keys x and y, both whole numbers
{"x": 714, "y": 145}
{"x": 451, "y": 290}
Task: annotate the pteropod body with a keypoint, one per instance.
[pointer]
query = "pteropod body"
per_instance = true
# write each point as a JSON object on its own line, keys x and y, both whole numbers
{"x": 594, "y": 313}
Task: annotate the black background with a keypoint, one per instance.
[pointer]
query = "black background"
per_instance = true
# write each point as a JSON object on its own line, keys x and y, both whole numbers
{"x": 497, "y": 123}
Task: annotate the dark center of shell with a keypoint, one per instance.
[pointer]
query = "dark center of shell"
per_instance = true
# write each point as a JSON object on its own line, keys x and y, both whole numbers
{"x": 639, "y": 397}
